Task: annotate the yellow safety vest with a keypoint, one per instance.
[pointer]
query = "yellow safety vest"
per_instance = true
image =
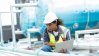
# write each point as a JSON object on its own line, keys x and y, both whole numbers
{"x": 52, "y": 37}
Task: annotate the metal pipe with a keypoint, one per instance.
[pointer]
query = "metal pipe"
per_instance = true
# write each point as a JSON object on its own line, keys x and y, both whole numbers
{"x": 25, "y": 5}
{"x": 1, "y": 32}
{"x": 12, "y": 26}
{"x": 38, "y": 52}
{"x": 10, "y": 12}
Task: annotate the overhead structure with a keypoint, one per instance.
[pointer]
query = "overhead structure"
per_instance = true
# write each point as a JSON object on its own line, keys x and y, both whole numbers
{"x": 1, "y": 31}
{"x": 12, "y": 18}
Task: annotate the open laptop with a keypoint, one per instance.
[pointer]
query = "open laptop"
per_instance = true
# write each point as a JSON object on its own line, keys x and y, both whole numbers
{"x": 68, "y": 45}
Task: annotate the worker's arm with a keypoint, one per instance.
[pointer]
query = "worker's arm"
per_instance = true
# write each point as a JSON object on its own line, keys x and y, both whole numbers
{"x": 46, "y": 39}
{"x": 67, "y": 35}
{"x": 50, "y": 44}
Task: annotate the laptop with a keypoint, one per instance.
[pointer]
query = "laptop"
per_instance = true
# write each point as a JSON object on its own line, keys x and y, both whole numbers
{"x": 68, "y": 45}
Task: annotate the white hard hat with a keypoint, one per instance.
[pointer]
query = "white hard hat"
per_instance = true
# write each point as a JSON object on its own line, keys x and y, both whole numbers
{"x": 50, "y": 17}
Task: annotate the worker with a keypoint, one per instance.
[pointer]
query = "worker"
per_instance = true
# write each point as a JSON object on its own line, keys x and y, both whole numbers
{"x": 55, "y": 32}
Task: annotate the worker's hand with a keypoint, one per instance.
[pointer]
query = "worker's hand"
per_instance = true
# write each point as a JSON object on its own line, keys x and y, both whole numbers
{"x": 64, "y": 39}
{"x": 63, "y": 51}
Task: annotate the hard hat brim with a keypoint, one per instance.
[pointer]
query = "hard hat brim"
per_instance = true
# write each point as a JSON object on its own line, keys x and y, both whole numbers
{"x": 48, "y": 21}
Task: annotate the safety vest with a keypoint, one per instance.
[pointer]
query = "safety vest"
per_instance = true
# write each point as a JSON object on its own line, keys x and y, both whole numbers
{"x": 52, "y": 37}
